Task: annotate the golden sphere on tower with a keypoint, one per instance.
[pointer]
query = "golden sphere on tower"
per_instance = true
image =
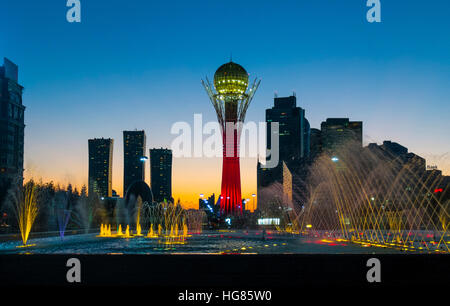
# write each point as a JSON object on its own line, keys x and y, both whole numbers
{"x": 231, "y": 79}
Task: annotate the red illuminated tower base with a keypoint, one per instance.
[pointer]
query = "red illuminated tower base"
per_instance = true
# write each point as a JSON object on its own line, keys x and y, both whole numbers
{"x": 231, "y": 200}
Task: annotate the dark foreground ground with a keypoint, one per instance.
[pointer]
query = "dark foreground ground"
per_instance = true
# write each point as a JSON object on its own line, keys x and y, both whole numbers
{"x": 283, "y": 273}
{"x": 227, "y": 265}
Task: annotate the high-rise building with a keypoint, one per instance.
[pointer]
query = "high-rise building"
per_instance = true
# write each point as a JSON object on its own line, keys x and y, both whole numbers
{"x": 340, "y": 133}
{"x": 294, "y": 151}
{"x": 209, "y": 205}
{"x": 393, "y": 148}
{"x": 11, "y": 127}
{"x": 294, "y": 139}
{"x": 161, "y": 174}
{"x": 100, "y": 166}
{"x": 400, "y": 156}
{"x": 294, "y": 129}
{"x": 315, "y": 143}
{"x": 133, "y": 158}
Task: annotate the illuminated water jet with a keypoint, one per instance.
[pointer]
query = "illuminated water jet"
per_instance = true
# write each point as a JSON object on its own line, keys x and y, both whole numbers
{"x": 151, "y": 233}
{"x": 168, "y": 223}
{"x": 26, "y": 209}
{"x": 127, "y": 232}
{"x": 138, "y": 230}
{"x": 371, "y": 200}
{"x": 119, "y": 230}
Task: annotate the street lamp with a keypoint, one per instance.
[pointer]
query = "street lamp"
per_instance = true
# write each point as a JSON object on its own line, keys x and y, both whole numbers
{"x": 143, "y": 159}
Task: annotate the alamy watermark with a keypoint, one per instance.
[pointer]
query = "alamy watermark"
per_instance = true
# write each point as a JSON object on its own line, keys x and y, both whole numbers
{"x": 73, "y": 275}
{"x": 74, "y": 12}
{"x": 206, "y": 140}
{"x": 374, "y": 13}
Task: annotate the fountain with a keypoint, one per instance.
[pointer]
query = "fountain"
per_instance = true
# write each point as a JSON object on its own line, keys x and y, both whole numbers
{"x": 119, "y": 230}
{"x": 195, "y": 220}
{"x": 138, "y": 230}
{"x": 151, "y": 233}
{"x": 371, "y": 200}
{"x": 105, "y": 230}
{"x": 63, "y": 216}
{"x": 138, "y": 217}
{"x": 84, "y": 211}
{"x": 26, "y": 209}
{"x": 60, "y": 204}
{"x": 127, "y": 232}
{"x": 361, "y": 203}
{"x": 169, "y": 219}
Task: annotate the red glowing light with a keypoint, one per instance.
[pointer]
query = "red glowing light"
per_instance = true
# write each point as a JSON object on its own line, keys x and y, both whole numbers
{"x": 231, "y": 176}
{"x": 438, "y": 190}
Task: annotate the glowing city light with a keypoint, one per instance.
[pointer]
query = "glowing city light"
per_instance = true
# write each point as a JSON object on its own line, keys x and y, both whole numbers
{"x": 143, "y": 158}
{"x": 269, "y": 221}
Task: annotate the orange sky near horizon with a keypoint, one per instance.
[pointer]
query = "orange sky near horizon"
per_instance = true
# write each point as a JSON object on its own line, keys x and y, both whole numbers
{"x": 190, "y": 177}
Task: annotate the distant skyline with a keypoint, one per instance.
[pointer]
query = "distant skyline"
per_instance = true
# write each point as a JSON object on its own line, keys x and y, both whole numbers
{"x": 138, "y": 65}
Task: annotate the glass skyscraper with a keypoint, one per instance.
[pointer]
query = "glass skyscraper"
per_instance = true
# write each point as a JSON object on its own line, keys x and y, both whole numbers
{"x": 294, "y": 150}
{"x": 11, "y": 127}
{"x": 100, "y": 166}
{"x": 294, "y": 129}
{"x": 161, "y": 174}
{"x": 339, "y": 133}
{"x": 133, "y": 158}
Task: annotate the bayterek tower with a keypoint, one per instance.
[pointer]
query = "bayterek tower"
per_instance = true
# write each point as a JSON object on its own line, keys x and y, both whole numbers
{"x": 231, "y": 95}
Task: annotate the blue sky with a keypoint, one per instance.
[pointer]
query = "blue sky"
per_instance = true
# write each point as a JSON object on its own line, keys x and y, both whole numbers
{"x": 138, "y": 64}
